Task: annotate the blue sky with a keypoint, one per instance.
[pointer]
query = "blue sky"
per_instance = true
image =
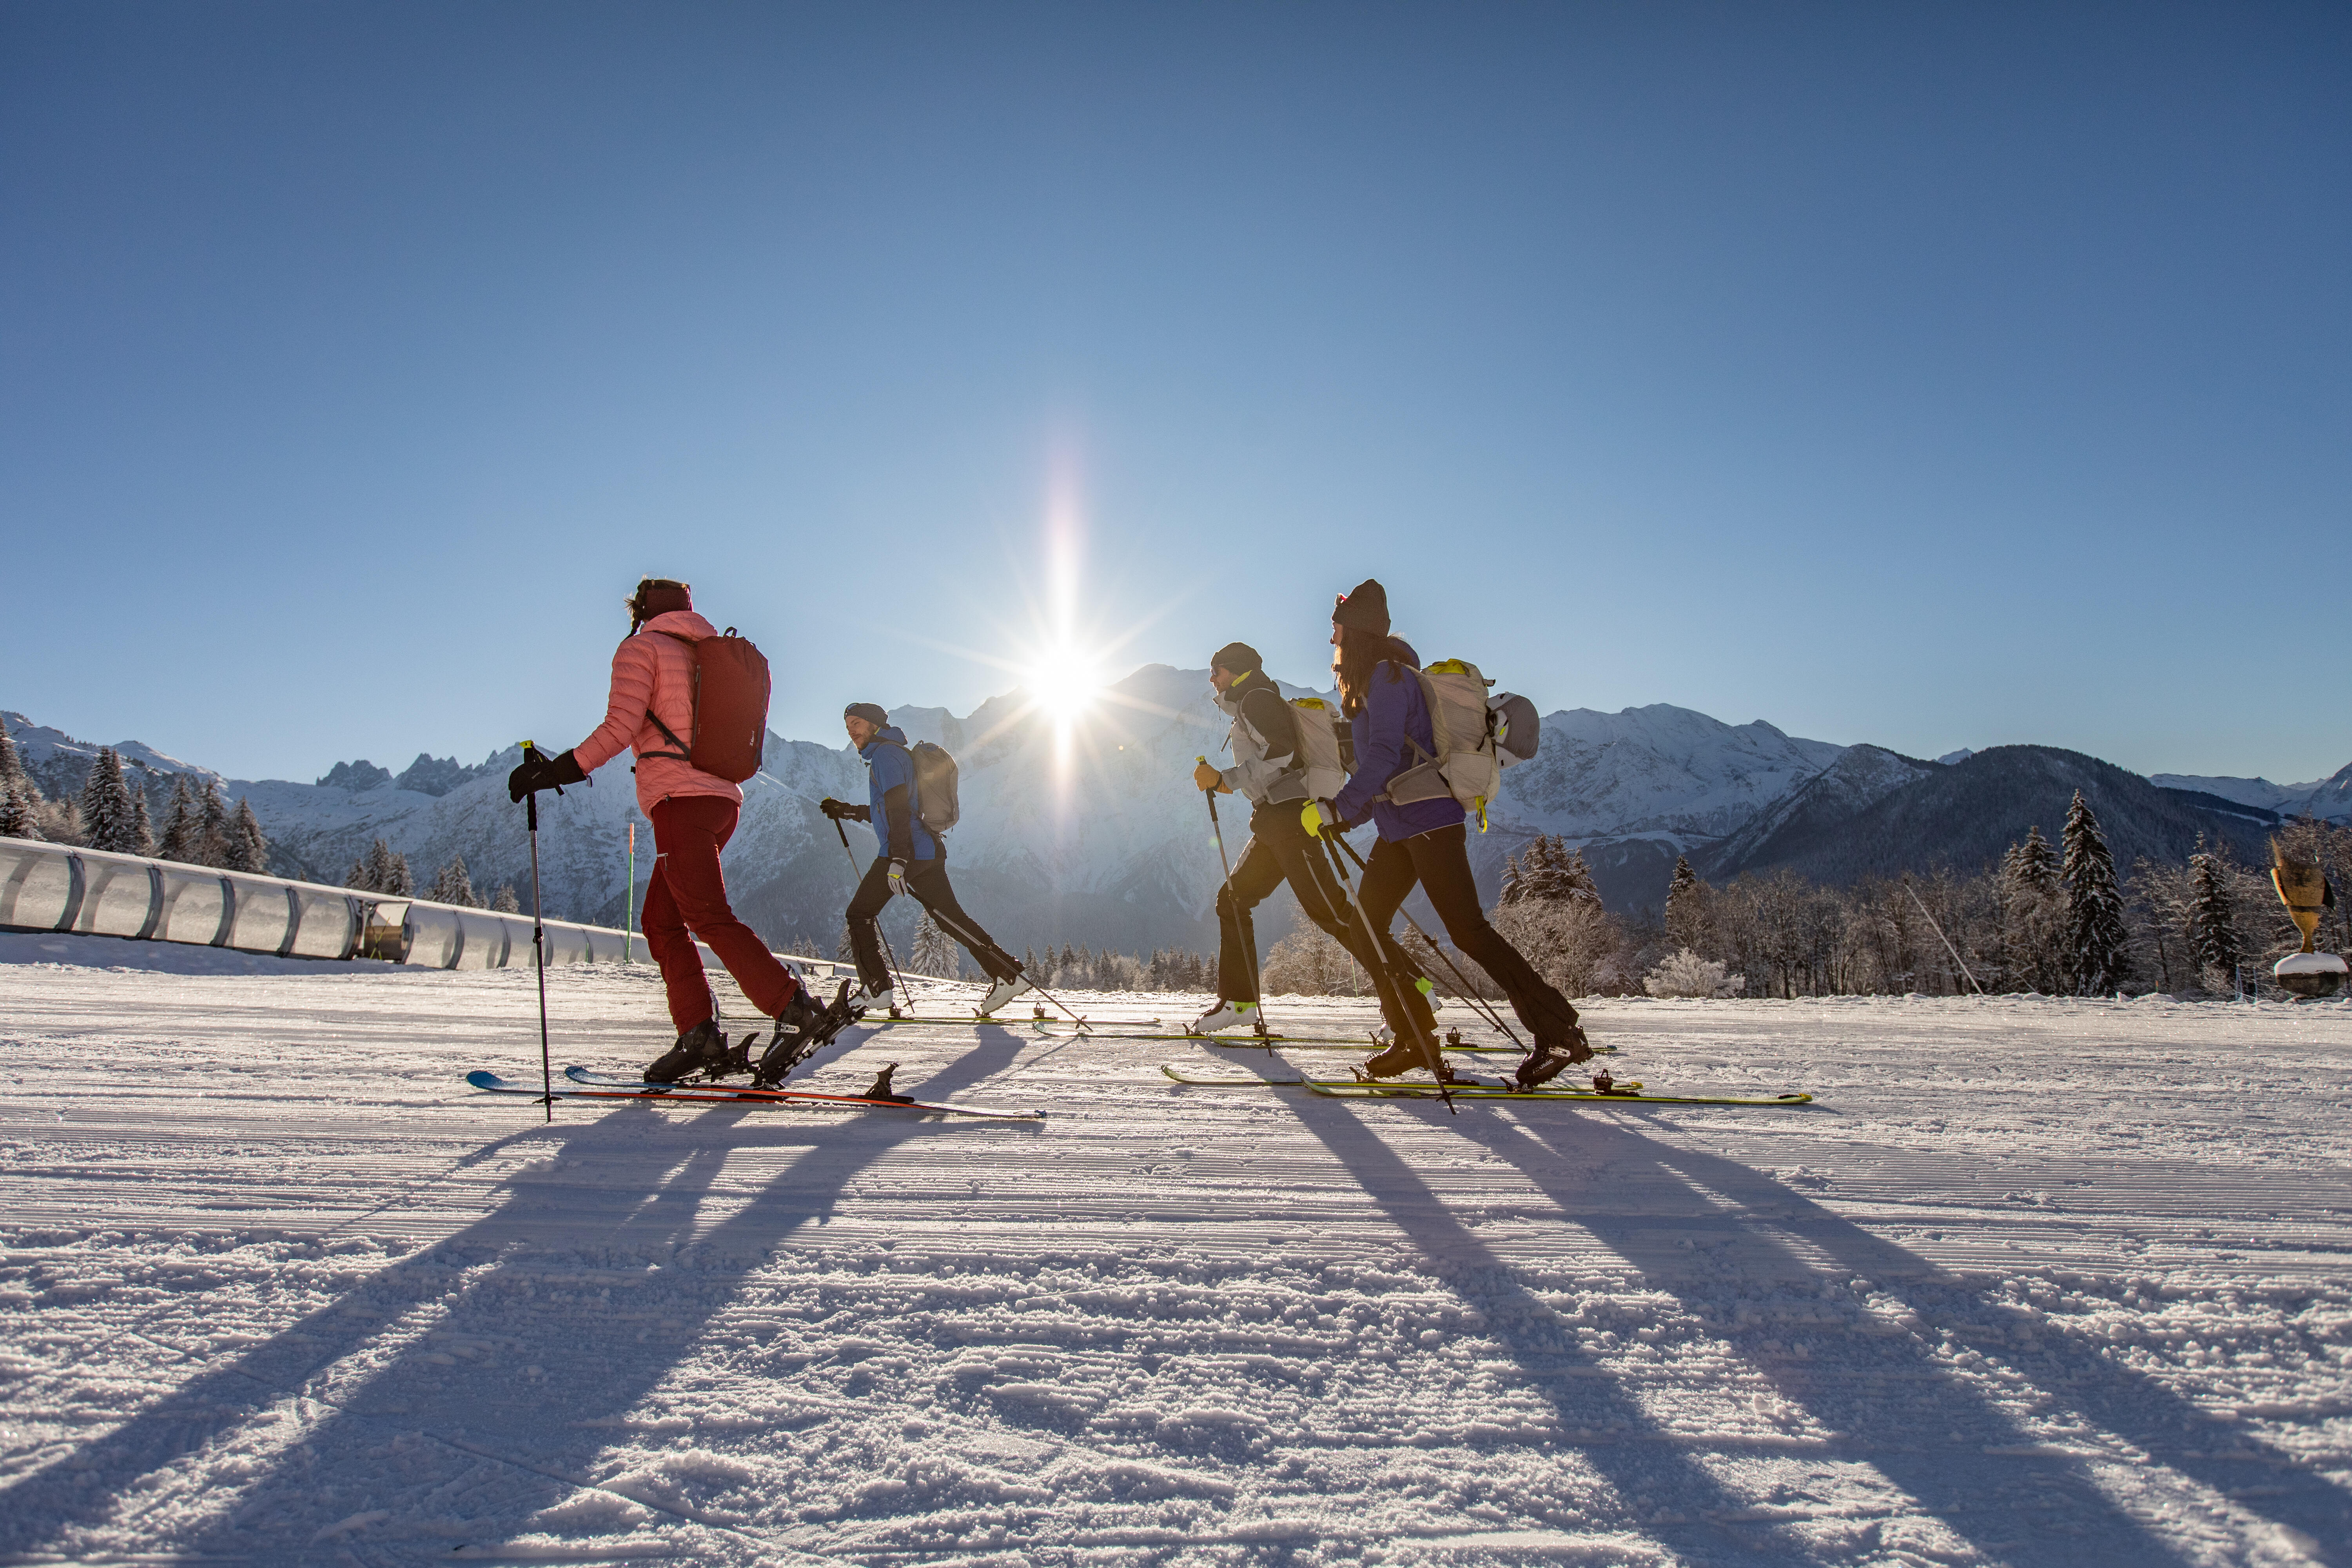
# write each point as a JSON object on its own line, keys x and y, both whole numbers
{"x": 1927, "y": 376}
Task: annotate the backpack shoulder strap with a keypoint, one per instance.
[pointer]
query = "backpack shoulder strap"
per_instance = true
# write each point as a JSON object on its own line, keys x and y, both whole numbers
{"x": 667, "y": 734}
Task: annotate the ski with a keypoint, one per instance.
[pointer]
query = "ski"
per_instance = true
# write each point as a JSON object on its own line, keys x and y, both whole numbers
{"x": 1458, "y": 1084}
{"x": 721, "y": 1094}
{"x": 1356, "y": 1090}
{"x": 1322, "y": 1045}
{"x": 1006, "y": 1023}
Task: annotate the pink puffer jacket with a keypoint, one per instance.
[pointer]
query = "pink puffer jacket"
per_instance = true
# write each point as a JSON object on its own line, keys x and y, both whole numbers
{"x": 652, "y": 669}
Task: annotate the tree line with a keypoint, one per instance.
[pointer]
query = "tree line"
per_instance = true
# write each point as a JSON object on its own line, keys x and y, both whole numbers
{"x": 199, "y": 829}
{"x": 2057, "y": 919}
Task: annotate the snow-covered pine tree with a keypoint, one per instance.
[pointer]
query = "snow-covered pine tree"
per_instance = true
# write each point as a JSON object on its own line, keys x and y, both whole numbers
{"x": 934, "y": 951}
{"x": 2034, "y": 911}
{"x": 2214, "y": 921}
{"x": 108, "y": 819}
{"x": 451, "y": 885}
{"x": 2098, "y": 949}
{"x": 1551, "y": 872}
{"x": 844, "y": 949}
{"x": 143, "y": 826}
{"x": 182, "y": 829}
{"x": 20, "y": 797}
{"x": 17, "y": 818}
{"x": 504, "y": 901}
{"x": 212, "y": 844}
{"x": 1068, "y": 964}
{"x": 1687, "y": 898}
{"x": 387, "y": 872}
{"x": 357, "y": 876}
{"x": 247, "y": 849}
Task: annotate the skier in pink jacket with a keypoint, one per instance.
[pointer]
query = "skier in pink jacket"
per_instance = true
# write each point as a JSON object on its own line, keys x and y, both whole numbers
{"x": 693, "y": 814}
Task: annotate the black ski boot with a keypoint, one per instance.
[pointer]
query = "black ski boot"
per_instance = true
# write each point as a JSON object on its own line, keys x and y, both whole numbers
{"x": 701, "y": 1048}
{"x": 1552, "y": 1056}
{"x": 801, "y": 1030}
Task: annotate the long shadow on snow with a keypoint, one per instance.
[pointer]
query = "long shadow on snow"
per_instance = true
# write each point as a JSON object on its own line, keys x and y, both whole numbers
{"x": 2072, "y": 1373}
{"x": 1668, "y": 1207}
{"x": 640, "y": 1201}
{"x": 1662, "y": 1194}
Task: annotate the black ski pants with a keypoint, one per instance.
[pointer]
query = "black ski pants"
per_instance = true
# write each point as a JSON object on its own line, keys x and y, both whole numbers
{"x": 928, "y": 882}
{"x": 1280, "y": 851}
{"x": 1440, "y": 863}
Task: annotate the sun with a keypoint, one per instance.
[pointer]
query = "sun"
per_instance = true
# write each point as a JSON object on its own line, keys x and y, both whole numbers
{"x": 1064, "y": 684}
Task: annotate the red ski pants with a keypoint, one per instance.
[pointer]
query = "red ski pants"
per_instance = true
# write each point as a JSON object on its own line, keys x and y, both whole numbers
{"x": 686, "y": 898}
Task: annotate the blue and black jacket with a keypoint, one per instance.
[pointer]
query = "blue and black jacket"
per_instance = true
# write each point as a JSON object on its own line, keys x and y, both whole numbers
{"x": 896, "y": 810}
{"x": 1393, "y": 709}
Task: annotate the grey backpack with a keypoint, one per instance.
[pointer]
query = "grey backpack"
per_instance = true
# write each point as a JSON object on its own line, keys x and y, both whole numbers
{"x": 935, "y": 786}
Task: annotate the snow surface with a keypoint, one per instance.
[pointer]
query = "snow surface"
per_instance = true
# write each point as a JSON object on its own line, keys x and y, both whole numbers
{"x": 2032, "y": 1282}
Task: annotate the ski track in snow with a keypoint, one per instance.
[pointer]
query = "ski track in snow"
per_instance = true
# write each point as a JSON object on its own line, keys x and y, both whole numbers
{"x": 2034, "y": 1282}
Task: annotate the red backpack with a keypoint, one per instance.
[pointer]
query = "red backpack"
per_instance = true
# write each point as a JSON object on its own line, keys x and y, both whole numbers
{"x": 730, "y": 696}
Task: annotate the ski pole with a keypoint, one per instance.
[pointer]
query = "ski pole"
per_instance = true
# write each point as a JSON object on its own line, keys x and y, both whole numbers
{"x": 1257, "y": 991}
{"x": 538, "y": 938}
{"x": 891, "y": 958}
{"x": 1478, "y": 1003}
{"x": 963, "y": 934}
{"x": 1386, "y": 984}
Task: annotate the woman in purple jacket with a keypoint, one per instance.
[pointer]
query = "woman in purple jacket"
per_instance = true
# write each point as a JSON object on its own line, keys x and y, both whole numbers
{"x": 1424, "y": 842}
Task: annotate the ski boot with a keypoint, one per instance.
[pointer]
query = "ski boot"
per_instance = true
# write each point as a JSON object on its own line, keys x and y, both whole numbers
{"x": 1003, "y": 990}
{"x": 698, "y": 1049}
{"x": 1545, "y": 1063}
{"x": 802, "y": 1028}
{"x": 1400, "y": 1056}
{"x": 1225, "y": 1016}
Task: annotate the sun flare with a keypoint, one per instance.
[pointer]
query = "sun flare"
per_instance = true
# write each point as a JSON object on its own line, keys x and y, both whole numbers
{"x": 1064, "y": 684}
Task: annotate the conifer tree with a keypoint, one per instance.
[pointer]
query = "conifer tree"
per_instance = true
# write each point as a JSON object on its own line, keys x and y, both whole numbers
{"x": 143, "y": 826}
{"x": 387, "y": 872}
{"x": 845, "y": 951}
{"x": 2213, "y": 921}
{"x": 505, "y": 902}
{"x": 182, "y": 829}
{"x": 451, "y": 885}
{"x": 17, "y": 818}
{"x": 357, "y": 876}
{"x": 212, "y": 844}
{"x": 20, "y": 799}
{"x": 2098, "y": 949}
{"x": 2032, "y": 913}
{"x": 109, "y": 821}
{"x": 1687, "y": 898}
{"x": 934, "y": 953}
{"x": 247, "y": 849}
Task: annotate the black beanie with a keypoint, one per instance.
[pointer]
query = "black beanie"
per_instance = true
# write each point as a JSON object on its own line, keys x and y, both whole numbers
{"x": 1237, "y": 659}
{"x": 870, "y": 712}
{"x": 1366, "y": 608}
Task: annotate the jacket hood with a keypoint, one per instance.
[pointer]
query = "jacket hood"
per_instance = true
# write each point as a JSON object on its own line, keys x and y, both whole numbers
{"x": 890, "y": 732}
{"x": 685, "y": 623}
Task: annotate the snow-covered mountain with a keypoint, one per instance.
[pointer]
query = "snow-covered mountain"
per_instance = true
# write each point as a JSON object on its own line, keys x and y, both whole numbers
{"x": 2329, "y": 799}
{"x": 1090, "y": 832}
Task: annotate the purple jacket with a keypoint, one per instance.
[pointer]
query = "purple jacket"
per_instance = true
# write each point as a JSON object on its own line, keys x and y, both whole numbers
{"x": 1393, "y": 710}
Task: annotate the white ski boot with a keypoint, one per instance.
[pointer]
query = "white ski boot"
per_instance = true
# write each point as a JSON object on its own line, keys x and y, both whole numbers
{"x": 1002, "y": 991}
{"x": 1225, "y": 1016}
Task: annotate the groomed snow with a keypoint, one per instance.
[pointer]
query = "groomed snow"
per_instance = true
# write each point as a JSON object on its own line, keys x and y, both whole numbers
{"x": 2032, "y": 1282}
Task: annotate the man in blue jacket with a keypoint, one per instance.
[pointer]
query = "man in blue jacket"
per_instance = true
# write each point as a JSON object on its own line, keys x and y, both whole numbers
{"x": 913, "y": 860}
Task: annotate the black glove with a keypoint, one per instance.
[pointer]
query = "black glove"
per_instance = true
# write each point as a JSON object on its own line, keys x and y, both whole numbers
{"x": 539, "y": 772}
{"x": 841, "y": 811}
